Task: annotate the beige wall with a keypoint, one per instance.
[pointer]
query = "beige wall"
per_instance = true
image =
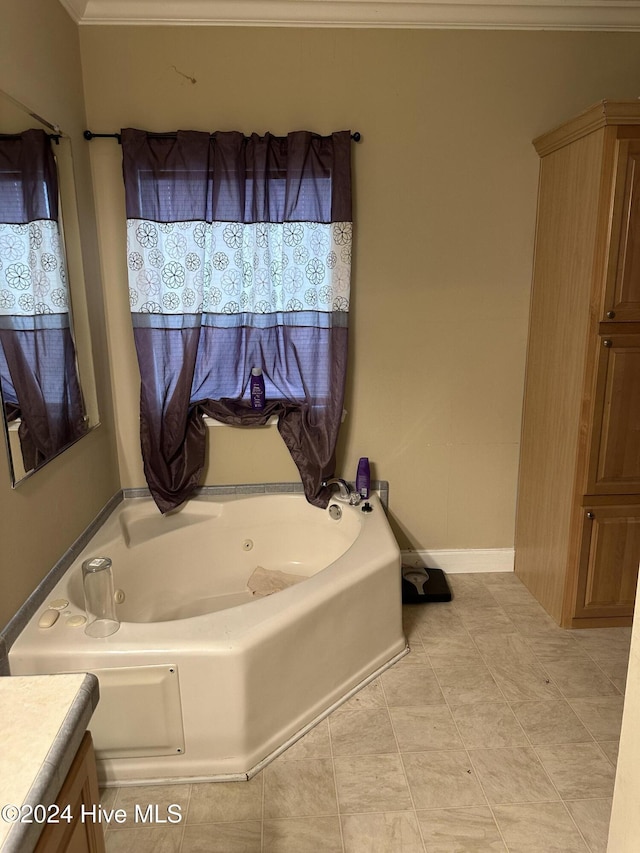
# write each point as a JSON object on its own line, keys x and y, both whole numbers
{"x": 40, "y": 67}
{"x": 445, "y": 197}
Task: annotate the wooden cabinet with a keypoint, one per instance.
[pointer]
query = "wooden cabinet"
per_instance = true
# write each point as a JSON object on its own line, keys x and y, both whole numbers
{"x": 622, "y": 300}
{"x": 79, "y": 791}
{"x": 608, "y": 570}
{"x": 614, "y": 465}
{"x": 577, "y": 542}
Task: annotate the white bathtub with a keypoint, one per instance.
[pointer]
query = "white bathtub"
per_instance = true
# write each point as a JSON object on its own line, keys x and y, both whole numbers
{"x": 202, "y": 680}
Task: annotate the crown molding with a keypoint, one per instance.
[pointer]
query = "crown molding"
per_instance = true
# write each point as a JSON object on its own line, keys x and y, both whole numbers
{"x": 599, "y": 115}
{"x": 608, "y": 15}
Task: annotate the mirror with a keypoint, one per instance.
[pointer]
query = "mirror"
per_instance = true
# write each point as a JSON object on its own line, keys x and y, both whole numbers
{"x": 47, "y": 386}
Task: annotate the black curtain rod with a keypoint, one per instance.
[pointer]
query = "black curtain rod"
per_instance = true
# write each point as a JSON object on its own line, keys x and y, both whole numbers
{"x": 88, "y": 135}
{"x": 54, "y": 137}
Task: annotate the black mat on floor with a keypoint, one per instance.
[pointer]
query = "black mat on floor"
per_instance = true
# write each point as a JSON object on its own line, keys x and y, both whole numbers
{"x": 422, "y": 585}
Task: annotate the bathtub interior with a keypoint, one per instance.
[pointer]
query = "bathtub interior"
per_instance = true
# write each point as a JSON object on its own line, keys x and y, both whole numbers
{"x": 198, "y": 559}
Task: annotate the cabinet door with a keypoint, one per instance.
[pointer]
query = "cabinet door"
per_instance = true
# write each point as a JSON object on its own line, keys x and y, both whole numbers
{"x": 614, "y": 463}
{"x": 609, "y": 558}
{"x": 622, "y": 299}
{"x": 80, "y": 789}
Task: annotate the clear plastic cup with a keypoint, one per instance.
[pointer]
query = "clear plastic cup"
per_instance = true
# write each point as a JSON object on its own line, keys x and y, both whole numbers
{"x": 99, "y": 601}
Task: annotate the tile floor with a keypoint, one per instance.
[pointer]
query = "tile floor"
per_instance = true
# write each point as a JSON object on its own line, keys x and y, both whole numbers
{"x": 498, "y": 732}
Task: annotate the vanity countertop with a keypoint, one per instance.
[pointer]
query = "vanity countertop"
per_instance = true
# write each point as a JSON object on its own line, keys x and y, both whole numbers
{"x": 42, "y": 721}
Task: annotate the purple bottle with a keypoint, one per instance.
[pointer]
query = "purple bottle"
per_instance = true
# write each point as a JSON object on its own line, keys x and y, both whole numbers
{"x": 363, "y": 479}
{"x": 256, "y": 389}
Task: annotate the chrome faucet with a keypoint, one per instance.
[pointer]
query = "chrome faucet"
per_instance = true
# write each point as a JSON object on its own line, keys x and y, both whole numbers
{"x": 345, "y": 492}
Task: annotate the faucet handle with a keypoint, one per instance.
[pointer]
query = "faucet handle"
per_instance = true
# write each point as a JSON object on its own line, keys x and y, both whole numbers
{"x": 345, "y": 492}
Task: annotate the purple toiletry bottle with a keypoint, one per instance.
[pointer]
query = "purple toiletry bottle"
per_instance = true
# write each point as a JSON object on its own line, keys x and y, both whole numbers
{"x": 256, "y": 389}
{"x": 363, "y": 479}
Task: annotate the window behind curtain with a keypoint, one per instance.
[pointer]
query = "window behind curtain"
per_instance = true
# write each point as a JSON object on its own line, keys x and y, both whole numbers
{"x": 239, "y": 255}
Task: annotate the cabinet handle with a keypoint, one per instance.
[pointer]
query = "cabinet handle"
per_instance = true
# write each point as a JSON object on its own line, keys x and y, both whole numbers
{"x": 611, "y": 315}
{"x": 607, "y": 343}
{"x": 591, "y": 515}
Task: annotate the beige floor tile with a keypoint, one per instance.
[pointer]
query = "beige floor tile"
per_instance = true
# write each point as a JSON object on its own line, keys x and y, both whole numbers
{"x": 579, "y": 771}
{"x": 592, "y": 818}
{"x": 604, "y": 643}
{"x": 492, "y": 579}
{"x": 299, "y": 789}
{"x": 302, "y": 835}
{"x": 362, "y": 733}
{"x": 411, "y": 633}
{"x": 465, "y": 581}
{"x": 143, "y": 796}
{"x": 315, "y": 744}
{"x": 487, "y": 725}
{"x": 550, "y": 721}
{"x": 610, "y": 749}
{"x": 108, "y": 798}
{"x": 469, "y": 590}
{"x": 411, "y": 686}
{"x": 417, "y": 655}
{"x": 410, "y": 624}
{"x": 424, "y": 728}
{"x": 553, "y": 647}
{"x": 245, "y": 837}
{"x": 452, "y": 651}
{"x": 532, "y": 620}
{"x": 522, "y": 680}
{"x": 504, "y": 648}
{"x": 443, "y": 614}
{"x": 508, "y": 596}
{"x": 616, "y": 672}
{"x": 442, "y": 779}
{"x": 390, "y": 832}
{"x": 602, "y": 715}
{"x": 225, "y": 801}
{"x": 460, "y": 831}
{"x": 539, "y": 828}
{"x": 144, "y": 840}
{"x": 371, "y": 696}
{"x": 512, "y": 775}
{"x": 487, "y": 618}
{"x": 440, "y": 626}
{"x": 579, "y": 679}
{"x": 465, "y": 685}
{"x": 371, "y": 783}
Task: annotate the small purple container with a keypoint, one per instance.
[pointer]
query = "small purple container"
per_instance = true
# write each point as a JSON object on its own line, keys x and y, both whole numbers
{"x": 363, "y": 479}
{"x": 256, "y": 389}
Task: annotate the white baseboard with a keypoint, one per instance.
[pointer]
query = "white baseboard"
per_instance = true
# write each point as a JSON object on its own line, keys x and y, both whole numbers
{"x": 463, "y": 560}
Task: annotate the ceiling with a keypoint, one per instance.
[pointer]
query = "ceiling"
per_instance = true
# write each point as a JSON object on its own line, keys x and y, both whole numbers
{"x": 610, "y": 15}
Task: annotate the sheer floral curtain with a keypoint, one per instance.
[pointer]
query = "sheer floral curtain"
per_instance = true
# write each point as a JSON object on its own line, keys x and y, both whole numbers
{"x": 239, "y": 256}
{"x": 38, "y": 375}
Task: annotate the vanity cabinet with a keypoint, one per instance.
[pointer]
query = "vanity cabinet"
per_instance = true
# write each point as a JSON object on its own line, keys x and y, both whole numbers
{"x": 80, "y": 790}
{"x": 577, "y": 544}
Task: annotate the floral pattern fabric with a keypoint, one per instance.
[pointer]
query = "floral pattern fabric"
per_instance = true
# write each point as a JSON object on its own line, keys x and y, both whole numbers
{"x": 238, "y": 268}
{"x": 33, "y": 278}
{"x": 239, "y": 256}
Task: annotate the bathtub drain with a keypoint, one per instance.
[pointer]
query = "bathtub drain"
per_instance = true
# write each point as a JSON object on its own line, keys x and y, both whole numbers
{"x": 247, "y": 545}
